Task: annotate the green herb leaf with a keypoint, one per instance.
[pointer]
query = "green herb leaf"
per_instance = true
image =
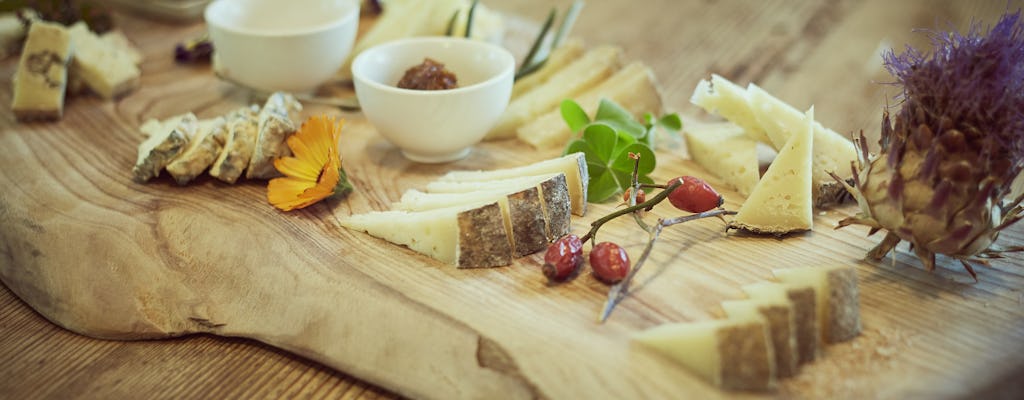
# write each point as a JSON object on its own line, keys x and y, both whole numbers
{"x": 671, "y": 122}
{"x": 574, "y": 115}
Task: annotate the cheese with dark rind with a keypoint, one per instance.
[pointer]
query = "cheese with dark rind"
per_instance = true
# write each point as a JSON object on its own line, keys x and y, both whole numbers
{"x": 162, "y": 147}
{"x": 557, "y": 207}
{"x": 837, "y": 299}
{"x": 778, "y": 315}
{"x": 526, "y": 213}
{"x": 238, "y": 146}
{"x": 273, "y": 127}
{"x": 42, "y": 74}
{"x": 466, "y": 237}
{"x": 732, "y": 354}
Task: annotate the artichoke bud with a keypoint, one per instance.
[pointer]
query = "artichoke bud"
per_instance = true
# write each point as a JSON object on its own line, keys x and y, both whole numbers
{"x": 948, "y": 157}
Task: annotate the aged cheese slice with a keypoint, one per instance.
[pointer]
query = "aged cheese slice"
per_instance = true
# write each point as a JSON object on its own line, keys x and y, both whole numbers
{"x": 589, "y": 70}
{"x": 802, "y": 298}
{"x": 523, "y": 205}
{"x": 720, "y": 96}
{"x": 238, "y": 145}
{"x": 732, "y": 354}
{"x": 42, "y": 73}
{"x": 574, "y": 166}
{"x": 726, "y": 151}
{"x": 633, "y": 87}
{"x": 781, "y": 201}
{"x": 558, "y": 59}
{"x": 466, "y": 237}
{"x": 273, "y": 127}
{"x": 832, "y": 151}
{"x": 201, "y": 151}
{"x": 778, "y": 314}
{"x": 105, "y": 69}
{"x": 159, "y": 149}
{"x": 837, "y": 298}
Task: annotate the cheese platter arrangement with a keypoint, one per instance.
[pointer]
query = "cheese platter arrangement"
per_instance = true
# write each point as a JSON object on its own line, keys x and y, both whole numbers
{"x": 625, "y": 227}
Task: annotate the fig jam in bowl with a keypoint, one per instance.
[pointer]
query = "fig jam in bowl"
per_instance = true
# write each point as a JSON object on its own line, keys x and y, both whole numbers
{"x": 274, "y": 45}
{"x": 434, "y": 126}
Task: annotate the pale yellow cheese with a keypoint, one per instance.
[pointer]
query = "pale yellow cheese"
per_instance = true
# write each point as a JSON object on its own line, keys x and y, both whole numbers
{"x": 117, "y": 39}
{"x": 803, "y": 303}
{"x": 587, "y": 71}
{"x": 725, "y": 150}
{"x": 558, "y": 59}
{"x": 466, "y": 237}
{"x": 782, "y": 202}
{"x": 778, "y": 315}
{"x": 733, "y": 354}
{"x": 633, "y": 87}
{"x": 722, "y": 97}
{"x": 837, "y": 301}
{"x": 103, "y": 67}
{"x": 42, "y": 73}
{"x": 574, "y": 166}
{"x": 832, "y": 151}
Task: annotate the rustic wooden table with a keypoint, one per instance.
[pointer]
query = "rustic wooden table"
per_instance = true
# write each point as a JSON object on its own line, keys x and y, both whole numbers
{"x": 788, "y": 47}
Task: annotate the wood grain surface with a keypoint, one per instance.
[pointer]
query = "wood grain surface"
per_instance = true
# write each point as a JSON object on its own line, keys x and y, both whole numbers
{"x": 100, "y": 255}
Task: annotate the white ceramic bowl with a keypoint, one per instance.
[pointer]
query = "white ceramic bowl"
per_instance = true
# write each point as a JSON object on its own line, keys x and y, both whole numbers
{"x": 275, "y": 45}
{"x": 434, "y": 125}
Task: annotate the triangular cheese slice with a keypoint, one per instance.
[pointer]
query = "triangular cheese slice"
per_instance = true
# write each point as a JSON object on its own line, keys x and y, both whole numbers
{"x": 729, "y": 100}
{"x": 832, "y": 151}
{"x": 803, "y": 300}
{"x": 574, "y": 166}
{"x": 837, "y": 298}
{"x": 778, "y": 314}
{"x": 467, "y": 237}
{"x": 726, "y": 151}
{"x": 781, "y": 202}
{"x": 732, "y": 354}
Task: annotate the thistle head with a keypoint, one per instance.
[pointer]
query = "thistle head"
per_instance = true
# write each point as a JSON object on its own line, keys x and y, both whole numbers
{"x": 972, "y": 82}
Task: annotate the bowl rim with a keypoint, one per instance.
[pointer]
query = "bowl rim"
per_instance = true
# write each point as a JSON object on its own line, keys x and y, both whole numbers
{"x": 351, "y": 15}
{"x": 507, "y": 70}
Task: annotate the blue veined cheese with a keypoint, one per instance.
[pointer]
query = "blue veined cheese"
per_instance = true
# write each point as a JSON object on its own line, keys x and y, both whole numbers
{"x": 162, "y": 147}
{"x": 202, "y": 149}
{"x": 42, "y": 74}
{"x": 273, "y": 127}
{"x": 101, "y": 66}
{"x": 239, "y": 144}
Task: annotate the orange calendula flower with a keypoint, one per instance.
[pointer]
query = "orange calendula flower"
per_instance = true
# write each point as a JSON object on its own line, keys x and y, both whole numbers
{"x": 314, "y": 171}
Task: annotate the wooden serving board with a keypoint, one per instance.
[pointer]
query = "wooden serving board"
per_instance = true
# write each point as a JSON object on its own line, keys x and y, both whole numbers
{"x": 108, "y": 258}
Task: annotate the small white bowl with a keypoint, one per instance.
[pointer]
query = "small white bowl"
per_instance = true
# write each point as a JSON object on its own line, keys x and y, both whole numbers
{"x": 274, "y": 45}
{"x": 434, "y": 126}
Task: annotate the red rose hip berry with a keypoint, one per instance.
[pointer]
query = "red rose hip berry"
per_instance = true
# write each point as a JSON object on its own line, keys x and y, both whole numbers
{"x": 694, "y": 195}
{"x": 563, "y": 257}
{"x": 609, "y": 262}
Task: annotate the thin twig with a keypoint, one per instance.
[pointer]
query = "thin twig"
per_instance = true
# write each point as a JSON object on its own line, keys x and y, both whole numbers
{"x": 594, "y": 226}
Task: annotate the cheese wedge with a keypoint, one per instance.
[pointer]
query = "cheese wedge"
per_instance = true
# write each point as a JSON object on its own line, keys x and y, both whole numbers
{"x": 725, "y": 150}
{"x": 104, "y": 68}
{"x": 524, "y": 208}
{"x": 574, "y": 166}
{"x": 273, "y": 127}
{"x": 832, "y": 151}
{"x": 837, "y": 298}
{"x": 42, "y": 73}
{"x": 633, "y": 87}
{"x": 727, "y": 353}
{"x": 161, "y": 148}
{"x": 558, "y": 59}
{"x": 729, "y": 100}
{"x": 781, "y": 201}
{"x": 466, "y": 237}
{"x": 238, "y": 146}
{"x": 117, "y": 39}
{"x": 582, "y": 74}
{"x": 778, "y": 315}
{"x": 803, "y": 302}
{"x": 201, "y": 151}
